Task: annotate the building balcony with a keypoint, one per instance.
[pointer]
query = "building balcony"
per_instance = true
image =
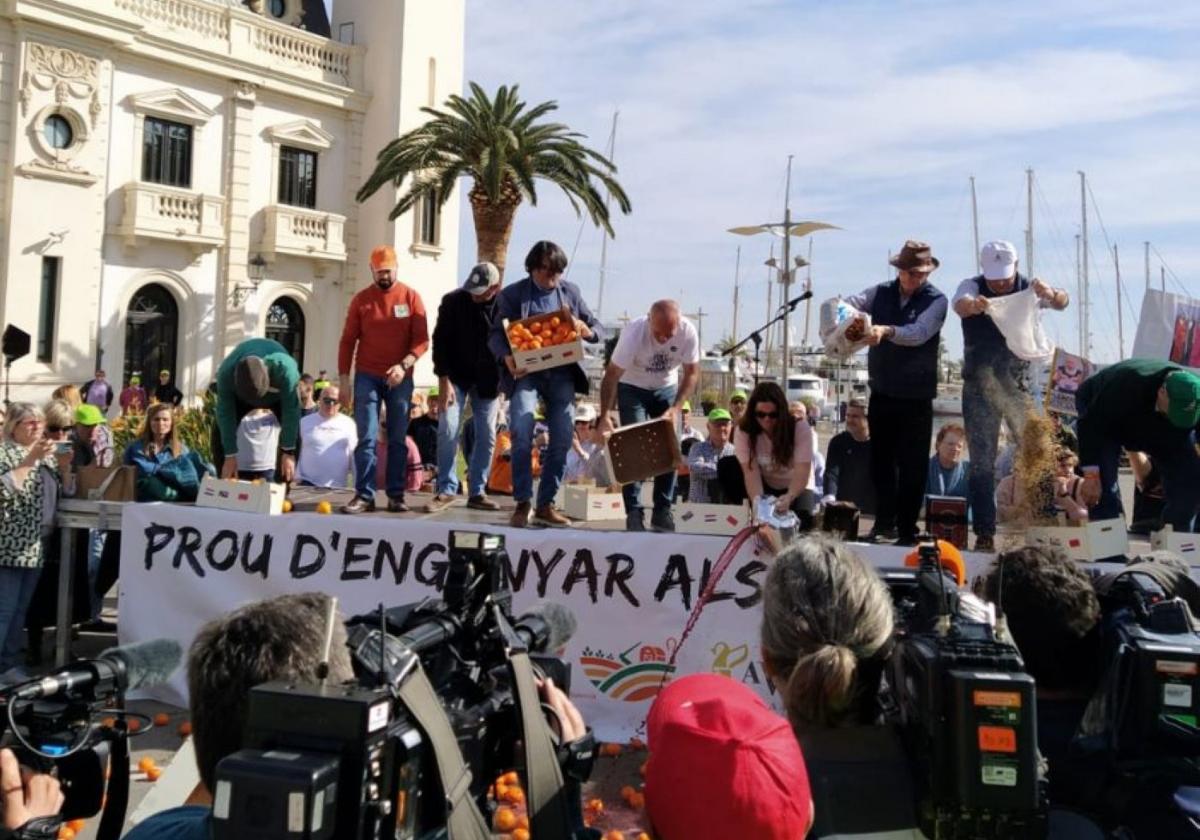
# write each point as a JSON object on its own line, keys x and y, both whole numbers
{"x": 154, "y": 211}
{"x": 300, "y": 232}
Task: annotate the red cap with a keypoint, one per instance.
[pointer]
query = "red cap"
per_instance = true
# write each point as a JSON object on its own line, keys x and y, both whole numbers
{"x": 723, "y": 764}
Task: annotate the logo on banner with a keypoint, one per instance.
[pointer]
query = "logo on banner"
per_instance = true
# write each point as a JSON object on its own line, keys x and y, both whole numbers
{"x": 629, "y": 676}
{"x": 726, "y": 658}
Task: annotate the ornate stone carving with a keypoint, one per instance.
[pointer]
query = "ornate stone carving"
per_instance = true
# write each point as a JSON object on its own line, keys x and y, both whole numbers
{"x": 65, "y": 72}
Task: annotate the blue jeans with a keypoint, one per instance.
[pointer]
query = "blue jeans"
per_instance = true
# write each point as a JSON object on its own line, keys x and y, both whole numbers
{"x": 556, "y": 388}
{"x": 371, "y": 392}
{"x": 479, "y": 459}
{"x": 1178, "y": 463}
{"x": 986, "y": 401}
{"x": 16, "y": 591}
{"x": 635, "y": 405}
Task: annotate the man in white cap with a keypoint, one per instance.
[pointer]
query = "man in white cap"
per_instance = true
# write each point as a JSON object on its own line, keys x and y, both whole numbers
{"x": 466, "y": 369}
{"x": 995, "y": 382}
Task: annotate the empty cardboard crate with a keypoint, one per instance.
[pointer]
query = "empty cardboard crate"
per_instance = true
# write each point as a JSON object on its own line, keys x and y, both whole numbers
{"x": 1182, "y": 543}
{"x": 592, "y": 504}
{"x": 241, "y": 496}
{"x": 703, "y": 518}
{"x": 1091, "y": 541}
{"x": 642, "y": 450}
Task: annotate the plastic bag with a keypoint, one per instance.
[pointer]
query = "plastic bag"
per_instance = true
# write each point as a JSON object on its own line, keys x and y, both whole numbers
{"x": 844, "y": 329}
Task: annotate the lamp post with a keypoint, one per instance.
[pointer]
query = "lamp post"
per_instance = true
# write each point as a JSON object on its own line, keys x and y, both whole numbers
{"x": 787, "y": 230}
{"x": 257, "y": 272}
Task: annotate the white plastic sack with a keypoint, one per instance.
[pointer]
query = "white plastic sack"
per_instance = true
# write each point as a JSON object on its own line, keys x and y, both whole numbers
{"x": 843, "y": 328}
{"x": 1019, "y": 318}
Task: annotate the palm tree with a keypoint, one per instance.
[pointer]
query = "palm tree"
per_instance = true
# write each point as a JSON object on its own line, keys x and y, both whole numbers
{"x": 500, "y": 144}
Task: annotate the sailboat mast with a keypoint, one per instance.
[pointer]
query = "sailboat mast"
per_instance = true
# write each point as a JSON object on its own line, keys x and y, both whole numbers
{"x": 1147, "y": 244}
{"x": 1079, "y": 295}
{"x": 612, "y": 149}
{"x": 975, "y": 226}
{"x": 1120, "y": 318}
{"x": 1029, "y": 222}
{"x": 808, "y": 303}
{"x": 1086, "y": 338}
{"x": 737, "y": 275}
{"x": 787, "y": 272}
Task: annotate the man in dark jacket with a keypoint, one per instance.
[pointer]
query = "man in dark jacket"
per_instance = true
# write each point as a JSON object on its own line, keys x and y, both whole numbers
{"x": 1143, "y": 405}
{"x": 165, "y": 391}
{"x": 542, "y": 292}
{"x": 466, "y": 368}
{"x": 902, "y": 369}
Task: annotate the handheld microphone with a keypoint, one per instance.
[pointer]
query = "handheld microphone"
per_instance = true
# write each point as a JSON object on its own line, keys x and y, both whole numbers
{"x": 116, "y": 669}
{"x": 791, "y": 304}
{"x": 546, "y": 626}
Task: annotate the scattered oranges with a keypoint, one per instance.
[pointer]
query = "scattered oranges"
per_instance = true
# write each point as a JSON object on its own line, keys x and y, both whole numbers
{"x": 520, "y": 834}
{"x": 153, "y": 774}
{"x": 287, "y": 505}
{"x": 133, "y": 724}
{"x": 145, "y": 764}
{"x": 324, "y": 507}
{"x": 610, "y": 749}
{"x": 615, "y": 835}
{"x": 185, "y": 729}
{"x": 594, "y": 806}
{"x": 511, "y": 778}
{"x": 162, "y": 719}
{"x": 66, "y": 833}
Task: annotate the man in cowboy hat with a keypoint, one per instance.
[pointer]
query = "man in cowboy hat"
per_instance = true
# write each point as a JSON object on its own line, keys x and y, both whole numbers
{"x": 906, "y": 316}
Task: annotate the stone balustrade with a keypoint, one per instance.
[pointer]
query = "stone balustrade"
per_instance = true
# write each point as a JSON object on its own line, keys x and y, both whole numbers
{"x": 301, "y": 232}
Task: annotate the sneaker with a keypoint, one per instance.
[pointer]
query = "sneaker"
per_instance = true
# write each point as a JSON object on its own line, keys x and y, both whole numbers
{"x": 520, "y": 517}
{"x": 635, "y": 522}
{"x": 396, "y": 505}
{"x": 547, "y": 515}
{"x": 438, "y": 503}
{"x": 880, "y": 534}
{"x": 482, "y": 503}
{"x": 662, "y": 521}
{"x": 359, "y": 505}
{"x": 985, "y": 542}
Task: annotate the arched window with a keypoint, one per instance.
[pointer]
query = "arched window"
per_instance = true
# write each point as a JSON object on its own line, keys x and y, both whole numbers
{"x": 151, "y": 333}
{"x": 285, "y": 324}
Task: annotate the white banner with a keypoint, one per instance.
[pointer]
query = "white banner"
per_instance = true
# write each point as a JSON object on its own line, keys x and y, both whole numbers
{"x": 631, "y": 593}
{"x": 1168, "y": 328}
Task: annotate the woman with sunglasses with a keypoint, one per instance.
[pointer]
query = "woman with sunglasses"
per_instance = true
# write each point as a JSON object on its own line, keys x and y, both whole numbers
{"x": 774, "y": 456}
{"x": 22, "y": 478}
{"x": 167, "y": 470}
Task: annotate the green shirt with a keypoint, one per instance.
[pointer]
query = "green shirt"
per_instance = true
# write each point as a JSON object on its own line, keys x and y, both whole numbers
{"x": 285, "y": 376}
{"x": 1118, "y": 403}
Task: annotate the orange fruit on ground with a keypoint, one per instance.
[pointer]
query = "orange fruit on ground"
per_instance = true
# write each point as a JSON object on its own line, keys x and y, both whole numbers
{"x": 76, "y": 825}
{"x": 145, "y": 764}
{"x": 638, "y": 800}
{"x": 287, "y": 505}
{"x": 324, "y": 507}
{"x": 643, "y": 836}
{"x": 162, "y": 719}
{"x": 511, "y": 778}
{"x": 185, "y": 729}
{"x": 66, "y": 833}
{"x": 505, "y": 820}
{"x": 153, "y": 774}
{"x": 520, "y": 834}
{"x": 615, "y": 835}
{"x": 610, "y": 749}
{"x": 627, "y": 792}
{"x": 596, "y": 806}
{"x": 637, "y": 744}
{"x": 133, "y": 724}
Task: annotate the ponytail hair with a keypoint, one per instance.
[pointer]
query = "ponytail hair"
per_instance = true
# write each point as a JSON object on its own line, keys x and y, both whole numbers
{"x": 824, "y": 612}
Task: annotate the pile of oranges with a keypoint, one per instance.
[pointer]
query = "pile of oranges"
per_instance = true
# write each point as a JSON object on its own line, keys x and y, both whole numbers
{"x": 549, "y": 331}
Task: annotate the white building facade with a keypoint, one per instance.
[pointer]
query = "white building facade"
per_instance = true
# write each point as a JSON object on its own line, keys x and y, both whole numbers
{"x": 178, "y": 175}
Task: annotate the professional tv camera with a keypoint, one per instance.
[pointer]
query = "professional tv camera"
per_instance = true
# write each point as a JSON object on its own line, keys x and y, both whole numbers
{"x": 73, "y": 722}
{"x": 443, "y": 702}
{"x": 956, "y": 687}
{"x": 1136, "y": 758}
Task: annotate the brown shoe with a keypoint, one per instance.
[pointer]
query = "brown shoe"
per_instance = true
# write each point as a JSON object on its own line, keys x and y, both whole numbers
{"x": 547, "y": 515}
{"x": 520, "y": 517}
{"x": 358, "y": 505}
{"x": 439, "y": 503}
{"x": 482, "y": 503}
{"x": 397, "y": 505}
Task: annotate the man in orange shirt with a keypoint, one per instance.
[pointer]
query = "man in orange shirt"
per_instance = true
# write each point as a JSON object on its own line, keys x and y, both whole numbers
{"x": 385, "y": 333}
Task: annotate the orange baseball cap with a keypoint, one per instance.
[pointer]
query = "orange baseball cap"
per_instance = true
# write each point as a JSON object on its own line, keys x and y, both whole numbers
{"x": 384, "y": 256}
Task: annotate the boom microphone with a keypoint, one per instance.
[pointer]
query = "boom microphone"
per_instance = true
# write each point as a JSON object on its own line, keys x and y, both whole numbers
{"x": 546, "y": 626}
{"x": 791, "y": 304}
{"x": 116, "y": 669}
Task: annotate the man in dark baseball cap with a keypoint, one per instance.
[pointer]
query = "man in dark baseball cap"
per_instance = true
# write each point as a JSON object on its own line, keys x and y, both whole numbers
{"x": 258, "y": 373}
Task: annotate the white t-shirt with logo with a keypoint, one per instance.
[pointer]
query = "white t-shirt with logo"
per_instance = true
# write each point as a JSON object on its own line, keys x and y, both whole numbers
{"x": 649, "y": 364}
{"x": 327, "y": 450}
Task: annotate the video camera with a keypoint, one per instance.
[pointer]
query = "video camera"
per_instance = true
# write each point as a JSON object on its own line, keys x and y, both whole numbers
{"x": 72, "y": 722}
{"x": 956, "y": 687}
{"x": 359, "y": 760}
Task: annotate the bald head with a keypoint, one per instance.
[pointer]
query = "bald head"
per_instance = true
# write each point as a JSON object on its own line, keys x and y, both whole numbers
{"x": 664, "y": 319}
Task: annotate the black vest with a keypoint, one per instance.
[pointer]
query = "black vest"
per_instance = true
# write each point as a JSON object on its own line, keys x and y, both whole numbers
{"x": 983, "y": 343}
{"x": 903, "y": 372}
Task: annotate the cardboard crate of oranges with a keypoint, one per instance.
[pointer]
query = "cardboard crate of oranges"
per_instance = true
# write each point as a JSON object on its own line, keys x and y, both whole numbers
{"x": 544, "y": 341}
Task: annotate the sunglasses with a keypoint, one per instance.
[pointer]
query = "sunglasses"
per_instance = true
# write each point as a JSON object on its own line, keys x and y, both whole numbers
{"x": 57, "y": 430}
{"x": 329, "y": 401}
{"x": 766, "y": 415}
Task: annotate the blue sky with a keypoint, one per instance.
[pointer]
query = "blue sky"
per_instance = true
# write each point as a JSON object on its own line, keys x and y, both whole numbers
{"x": 889, "y": 108}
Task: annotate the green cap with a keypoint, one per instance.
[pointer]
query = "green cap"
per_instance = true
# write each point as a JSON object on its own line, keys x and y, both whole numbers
{"x": 738, "y": 395}
{"x": 433, "y": 391}
{"x": 719, "y": 414}
{"x": 135, "y": 380}
{"x": 88, "y": 415}
{"x": 1183, "y": 399}
{"x": 687, "y": 405}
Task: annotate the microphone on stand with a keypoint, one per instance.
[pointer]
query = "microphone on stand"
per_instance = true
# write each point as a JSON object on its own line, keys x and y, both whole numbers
{"x": 791, "y": 304}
